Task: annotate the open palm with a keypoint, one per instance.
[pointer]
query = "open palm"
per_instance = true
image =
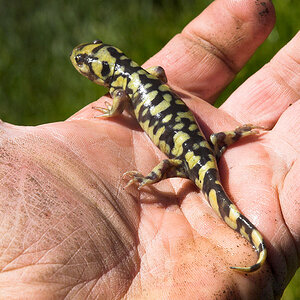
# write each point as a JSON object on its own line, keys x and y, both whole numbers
{"x": 69, "y": 229}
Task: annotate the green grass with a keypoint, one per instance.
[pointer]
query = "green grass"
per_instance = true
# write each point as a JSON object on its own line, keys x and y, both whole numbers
{"x": 38, "y": 83}
{"x": 292, "y": 292}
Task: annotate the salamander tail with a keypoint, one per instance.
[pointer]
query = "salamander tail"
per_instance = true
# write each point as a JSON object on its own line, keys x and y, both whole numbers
{"x": 221, "y": 203}
{"x": 262, "y": 255}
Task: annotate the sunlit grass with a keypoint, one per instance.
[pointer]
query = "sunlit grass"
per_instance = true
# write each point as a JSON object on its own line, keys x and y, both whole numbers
{"x": 292, "y": 292}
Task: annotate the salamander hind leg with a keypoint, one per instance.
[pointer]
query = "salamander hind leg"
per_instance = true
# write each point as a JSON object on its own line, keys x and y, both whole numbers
{"x": 120, "y": 102}
{"x": 167, "y": 168}
{"x": 158, "y": 72}
{"x": 221, "y": 140}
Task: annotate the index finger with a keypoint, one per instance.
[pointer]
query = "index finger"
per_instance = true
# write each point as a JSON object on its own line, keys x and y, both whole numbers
{"x": 205, "y": 57}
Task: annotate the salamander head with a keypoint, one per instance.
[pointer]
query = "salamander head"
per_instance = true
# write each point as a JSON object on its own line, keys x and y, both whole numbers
{"x": 94, "y": 61}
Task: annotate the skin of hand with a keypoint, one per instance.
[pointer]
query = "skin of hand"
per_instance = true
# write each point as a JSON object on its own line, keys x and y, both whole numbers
{"x": 70, "y": 230}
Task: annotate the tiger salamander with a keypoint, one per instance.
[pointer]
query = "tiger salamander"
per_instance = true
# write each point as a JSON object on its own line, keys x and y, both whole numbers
{"x": 171, "y": 126}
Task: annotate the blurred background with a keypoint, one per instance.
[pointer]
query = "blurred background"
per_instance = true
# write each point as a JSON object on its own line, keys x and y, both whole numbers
{"x": 38, "y": 84}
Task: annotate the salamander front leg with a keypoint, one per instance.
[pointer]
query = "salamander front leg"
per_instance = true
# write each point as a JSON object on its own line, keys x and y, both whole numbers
{"x": 221, "y": 140}
{"x": 158, "y": 72}
{"x": 167, "y": 168}
{"x": 120, "y": 102}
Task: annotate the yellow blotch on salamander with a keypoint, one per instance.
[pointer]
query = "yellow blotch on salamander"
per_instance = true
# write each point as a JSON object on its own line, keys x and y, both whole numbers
{"x": 204, "y": 144}
{"x": 184, "y": 115}
{"x": 192, "y": 159}
{"x": 119, "y": 82}
{"x": 178, "y": 126}
{"x": 167, "y": 98}
{"x": 150, "y": 130}
{"x": 179, "y": 102}
{"x": 233, "y": 215}
{"x": 210, "y": 164}
{"x": 179, "y": 138}
{"x": 145, "y": 111}
{"x": 163, "y": 88}
{"x": 244, "y": 233}
{"x": 148, "y": 85}
{"x": 256, "y": 237}
{"x": 151, "y": 96}
{"x": 164, "y": 147}
{"x": 135, "y": 82}
{"x": 157, "y": 135}
{"x": 167, "y": 118}
{"x": 212, "y": 197}
{"x": 155, "y": 110}
{"x": 193, "y": 127}
{"x": 196, "y": 146}
{"x": 145, "y": 125}
{"x": 139, "y": 107}
{"x": 133, "y": 64}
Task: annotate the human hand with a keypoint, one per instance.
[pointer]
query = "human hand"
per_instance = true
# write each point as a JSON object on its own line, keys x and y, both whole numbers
{"x": 69, "y": 229}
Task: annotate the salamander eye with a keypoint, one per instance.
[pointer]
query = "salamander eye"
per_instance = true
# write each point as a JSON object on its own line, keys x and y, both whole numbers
{"x": 97, "y": 42}
{"x": 79, "y": 59}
